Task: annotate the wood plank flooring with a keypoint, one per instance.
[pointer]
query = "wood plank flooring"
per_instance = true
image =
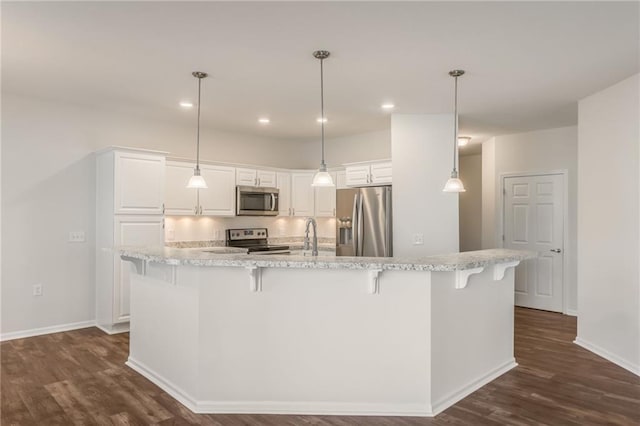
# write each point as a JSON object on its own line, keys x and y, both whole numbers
{"x": 79, "y": 378}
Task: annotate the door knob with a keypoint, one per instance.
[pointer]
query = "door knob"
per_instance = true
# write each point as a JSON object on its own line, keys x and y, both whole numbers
{"x": 556, "y": 250}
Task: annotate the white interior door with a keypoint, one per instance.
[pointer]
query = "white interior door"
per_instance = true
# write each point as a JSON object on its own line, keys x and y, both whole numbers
{"x": 534, "y": 220}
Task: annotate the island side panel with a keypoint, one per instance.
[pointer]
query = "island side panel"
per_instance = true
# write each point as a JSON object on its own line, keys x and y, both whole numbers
{"x": 472, "y": 333}
{"x": 315, "y": 341}
{"x": 164, "y": 329}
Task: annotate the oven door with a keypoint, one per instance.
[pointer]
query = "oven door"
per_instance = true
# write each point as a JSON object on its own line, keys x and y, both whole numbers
{"x": 256, "y": 201}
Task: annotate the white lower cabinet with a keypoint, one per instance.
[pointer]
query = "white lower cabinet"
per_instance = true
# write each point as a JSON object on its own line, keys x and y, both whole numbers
{"x": 302, "y": 194}
{"x": 131, "y": 231}
{"x": 283, "y": 183}
{"x": 325, "y": 199}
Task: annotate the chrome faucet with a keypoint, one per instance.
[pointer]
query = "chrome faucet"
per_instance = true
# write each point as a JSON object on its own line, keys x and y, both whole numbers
{"x": 314, "y": 248}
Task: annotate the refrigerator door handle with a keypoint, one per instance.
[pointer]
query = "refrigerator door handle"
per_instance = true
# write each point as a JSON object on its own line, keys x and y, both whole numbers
{"x": 360, "y": 227}
{"x": 354, "y": 225}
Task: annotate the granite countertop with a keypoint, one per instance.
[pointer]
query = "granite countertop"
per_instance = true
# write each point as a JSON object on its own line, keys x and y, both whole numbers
{"x": 446, "y": 262}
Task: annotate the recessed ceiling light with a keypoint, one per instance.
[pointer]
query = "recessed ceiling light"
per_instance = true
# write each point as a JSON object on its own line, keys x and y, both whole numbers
{"x": 388, "y": 106}
{"x": 264, "y": 121}
{"x": 463, "y": 140}
{"x": 186, "y": 104}
{"x": 322, "y": 120}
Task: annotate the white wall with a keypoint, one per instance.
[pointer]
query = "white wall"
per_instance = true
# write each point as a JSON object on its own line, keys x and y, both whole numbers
{"x": 421, "y": 148}
{"x": 609, "y": 223}
{"x": 351, "y": 149}
{"x": 48, "y": 190}
{"x": 539, "y": 151}
{"x": 471, "y": 203}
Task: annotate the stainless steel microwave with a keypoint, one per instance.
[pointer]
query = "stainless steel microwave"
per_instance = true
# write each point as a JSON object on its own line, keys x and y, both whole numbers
{"x": 256, "y": 201}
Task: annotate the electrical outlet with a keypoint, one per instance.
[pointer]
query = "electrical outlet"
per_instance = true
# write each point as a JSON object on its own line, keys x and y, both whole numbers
{"x": 418, "y": 239}
{"x": 76, "y": 237}
{"x": 37, "y": 289}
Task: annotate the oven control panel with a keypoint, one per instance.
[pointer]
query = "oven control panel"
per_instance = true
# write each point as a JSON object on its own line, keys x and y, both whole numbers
{"x": 247, "y": 234}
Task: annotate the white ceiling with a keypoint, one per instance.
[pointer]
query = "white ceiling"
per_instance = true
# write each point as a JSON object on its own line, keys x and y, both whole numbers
{"x": 527, "y": 63}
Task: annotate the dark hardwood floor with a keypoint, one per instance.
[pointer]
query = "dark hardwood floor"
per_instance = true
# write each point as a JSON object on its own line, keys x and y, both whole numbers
{"x": 79, "y": 378}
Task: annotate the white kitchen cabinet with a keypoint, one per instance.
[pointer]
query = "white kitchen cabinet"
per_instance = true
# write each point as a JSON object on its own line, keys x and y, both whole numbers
{"x": 180, "y": 200}
{"x": 216, "y": 200}
{"x": 377, "y": 173}
{"x": 341, "y": 179}
{"x": 132, "y": 182}
{"x": 220, "y": 196}
{"x": 302, "y": 194}
{"x": 325, "y": 199}
{"x": 131, "y": 231}
{"x": 139, "y": 182}
{"x": 283, "y": 183}
{"x": 253, "y": 177}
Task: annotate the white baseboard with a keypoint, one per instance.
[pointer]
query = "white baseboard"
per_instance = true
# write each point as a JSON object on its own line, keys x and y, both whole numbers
{"x": 571, "y": 312}
{"x": 473, "y": 386}
{"x": 635, "y": 369}
{"x": 115, "y": 328}
{"x": 46, "y": 330}
{"x": 278, "y": 407}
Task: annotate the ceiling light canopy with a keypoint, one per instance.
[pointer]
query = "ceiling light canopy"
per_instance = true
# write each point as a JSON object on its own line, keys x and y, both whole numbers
{"x": 463, "y": 140}
{"x": 454, "y": 184}
{"x": 186, "y": 104}
{"x": 388, "y": 106}
{"x": 322, "y": 177}
{"x": 197, "y": 181}
{"x": 264, "y": 120}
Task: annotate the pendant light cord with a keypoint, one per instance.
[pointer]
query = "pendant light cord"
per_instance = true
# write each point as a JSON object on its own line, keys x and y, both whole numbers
{"x": 322, "y": 118}
{"x": 455, "y": 132}
{"x": 198, "y": 134}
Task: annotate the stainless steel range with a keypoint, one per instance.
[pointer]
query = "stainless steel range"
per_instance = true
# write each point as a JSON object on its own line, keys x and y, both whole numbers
{"x": 255, "y": 240}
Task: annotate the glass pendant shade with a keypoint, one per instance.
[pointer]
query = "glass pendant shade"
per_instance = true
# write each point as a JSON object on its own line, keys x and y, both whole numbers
{"x": 454, "y": 185}
{"x": 322, "y": 178}
{"x": 197, "y": 181}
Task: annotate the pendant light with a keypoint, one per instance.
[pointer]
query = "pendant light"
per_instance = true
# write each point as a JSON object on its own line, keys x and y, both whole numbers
{"x": 454, "y": 184}
{"x": 322, "y": 177}
{"x": 197, "y": 181}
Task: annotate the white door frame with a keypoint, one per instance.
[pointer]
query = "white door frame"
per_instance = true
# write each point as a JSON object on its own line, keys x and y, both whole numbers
{"x": 566, "y": 249}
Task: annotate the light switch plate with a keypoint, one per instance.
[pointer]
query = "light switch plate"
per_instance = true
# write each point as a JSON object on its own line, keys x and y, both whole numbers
{"x": 76, "y": 237}
{"x": 418, "y": 239}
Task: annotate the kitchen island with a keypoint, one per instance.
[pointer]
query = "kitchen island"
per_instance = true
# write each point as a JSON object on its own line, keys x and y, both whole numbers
{"x": 236, "y": 333}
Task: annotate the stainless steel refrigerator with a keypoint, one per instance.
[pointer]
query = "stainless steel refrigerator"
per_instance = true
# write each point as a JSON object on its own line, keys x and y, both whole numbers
{"x": 363, "y": 225}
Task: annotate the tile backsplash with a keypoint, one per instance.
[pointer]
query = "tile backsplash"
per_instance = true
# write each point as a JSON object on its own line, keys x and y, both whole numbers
{"x": 202, "y": 228}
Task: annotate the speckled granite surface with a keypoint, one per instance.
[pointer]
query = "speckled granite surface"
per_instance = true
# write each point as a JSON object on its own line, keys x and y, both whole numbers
{"x": 446, "y": 262}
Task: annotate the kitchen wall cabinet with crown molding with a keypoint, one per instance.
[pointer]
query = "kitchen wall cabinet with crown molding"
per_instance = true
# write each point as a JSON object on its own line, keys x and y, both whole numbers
{"x": 302, "y": 194}
{"x": 325, "y": 199}
{"x": 368, "y": 174}
{"x": 217, "y": 200}
{"x": 255, "y": 177}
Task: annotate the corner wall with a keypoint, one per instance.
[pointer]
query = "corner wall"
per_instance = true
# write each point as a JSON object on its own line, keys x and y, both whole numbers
{"x": 421, "y": 147}
{"x": 609, "y": 224}
{"x": 471, "y": 203}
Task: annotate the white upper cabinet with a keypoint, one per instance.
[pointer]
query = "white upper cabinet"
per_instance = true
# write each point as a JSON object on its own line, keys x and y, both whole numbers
{"x": 325, "y": 199}
{"x": 378, "y": 173}
{"x": 302, "y": 194}
{"x": 283, "y": 183}
{"x": 219, "y": 198}
{"x": 139, "y": 183}
{"x": 381, "y": 173}
{"x": 253, "y": 177}
{"x": 357, "y": 175}
{"x": 341, "y": 179}
{"x": 179, "y": 200}
{"x": 266, "y": 178}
